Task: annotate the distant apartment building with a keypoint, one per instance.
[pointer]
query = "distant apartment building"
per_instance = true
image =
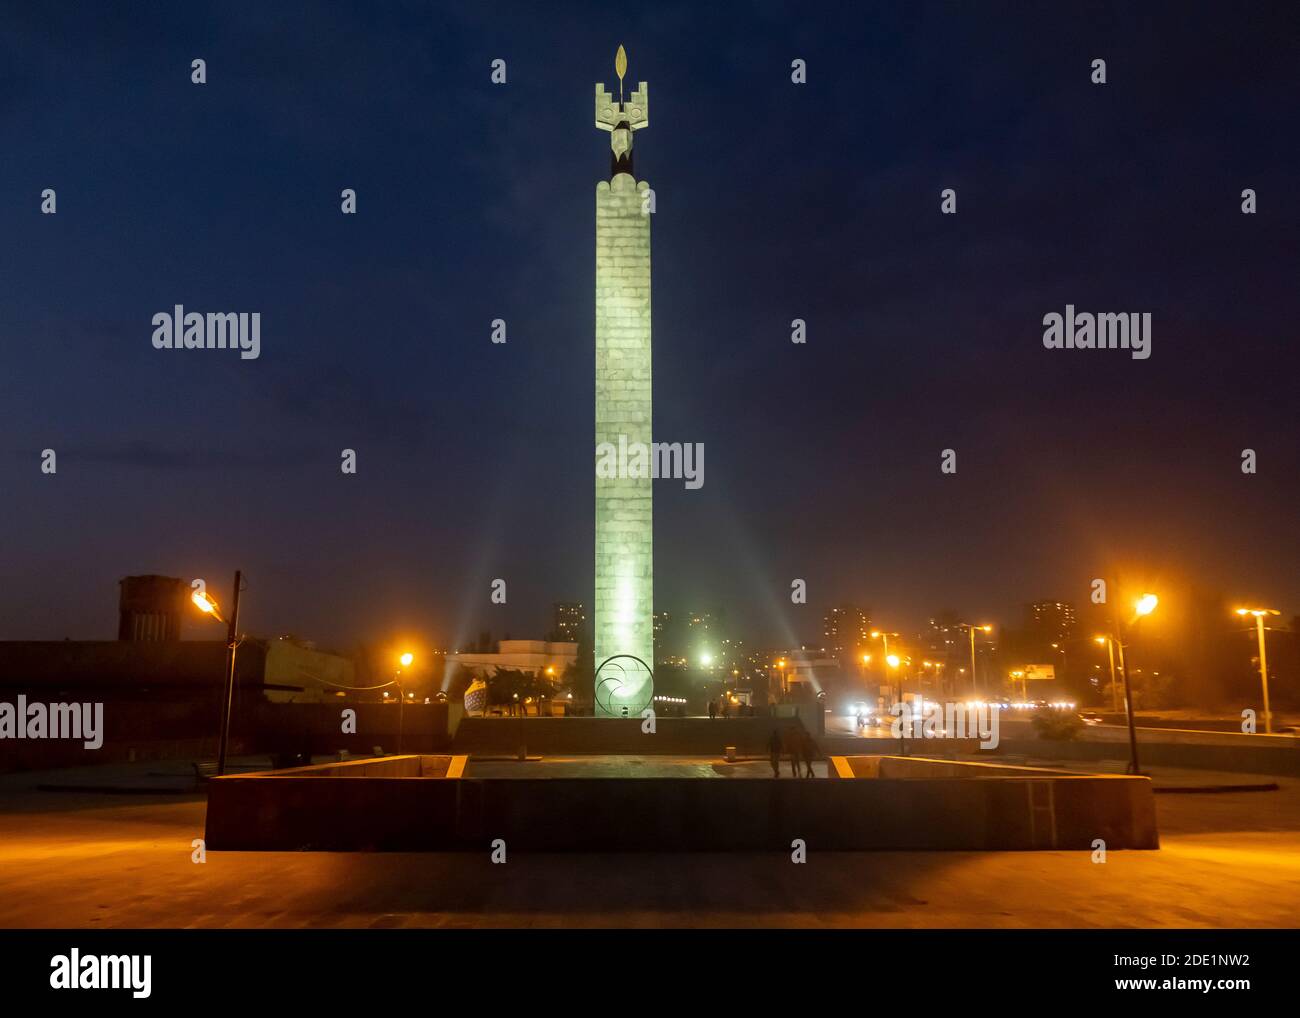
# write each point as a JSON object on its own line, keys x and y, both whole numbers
{"x": 1052, "y": 621}
{"x": 661, "y": 621}
{"x": 568, "y": 621}
{"x": 844, "y": 630}
{"x": 699, "y": 623}
{"x": 150, "y": 607}
{"x": 682, "y": 637}
{"x": 944, "y": 636}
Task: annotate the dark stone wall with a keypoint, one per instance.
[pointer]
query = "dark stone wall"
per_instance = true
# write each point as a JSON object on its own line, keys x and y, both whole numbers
{"x": 286, "y": 813}
{"x": 162, "y": 729}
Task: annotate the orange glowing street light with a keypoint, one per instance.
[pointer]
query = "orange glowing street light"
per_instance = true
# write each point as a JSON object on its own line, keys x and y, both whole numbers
{"x": 204, "y": 602}
{"x": 780, "y": 674}
{"x": 1259, "y": 614}
{"x": 1142, "y": 607}
{"x": 894, "y": 661}
{"x": 970, "y": 629}
{"x": 206, "y": 605}
{"x": 404, "y": 659}
{"x": 1109, "y": 644}
{"x": 877, "y": 634}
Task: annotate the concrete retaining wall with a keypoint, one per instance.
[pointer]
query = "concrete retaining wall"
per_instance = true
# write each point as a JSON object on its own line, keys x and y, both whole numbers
{"x": 894, "y": 767}
{"x": 1016, "y": 728}
{"x": 281, "y": 812}
{"x": 1240, "y": 759}
{"x": 414, "y": 766}
{"x": 168, "y": 730}
{"x": 1060, "y": 809}
{"x": 853, "y": 745}
{"x": 1279, "y": 755}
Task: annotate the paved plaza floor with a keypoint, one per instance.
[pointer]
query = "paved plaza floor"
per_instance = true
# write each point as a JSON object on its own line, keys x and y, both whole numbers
{"x": 72, "y": 859}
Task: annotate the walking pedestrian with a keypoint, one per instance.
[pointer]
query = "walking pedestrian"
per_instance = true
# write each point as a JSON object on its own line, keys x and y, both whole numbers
{"x": 790, "y": 743}
{"x": 809, "y": 748}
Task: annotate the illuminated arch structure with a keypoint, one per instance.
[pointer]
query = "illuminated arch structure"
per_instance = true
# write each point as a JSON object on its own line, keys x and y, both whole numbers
{"x": 625, "y": 686}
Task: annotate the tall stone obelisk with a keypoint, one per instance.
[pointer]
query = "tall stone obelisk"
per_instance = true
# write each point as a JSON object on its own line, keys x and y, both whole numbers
{"x": 623, "y": 621}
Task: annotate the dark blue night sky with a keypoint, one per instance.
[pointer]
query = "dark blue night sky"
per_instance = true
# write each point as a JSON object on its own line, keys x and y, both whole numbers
{"x": 774, "y": 201}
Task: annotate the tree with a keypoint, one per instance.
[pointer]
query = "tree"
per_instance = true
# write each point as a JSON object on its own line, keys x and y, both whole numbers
{"x": 511, "y": 685}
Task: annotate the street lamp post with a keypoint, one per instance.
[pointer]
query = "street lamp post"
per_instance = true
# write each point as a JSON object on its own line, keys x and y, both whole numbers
{"x": 405, "y": 661}
{"x": 970, "y": 629}
{"x": 1065, "y": 665}
{"x": 877, "y": 634}
{"x": 1114, "y": 686}
{"x": 209, "y": 607}
{"x": 232, "y": 643}
{"x": 1128, "y": 709}
{"x": 974, "y": 688}
{"x": 1146, "y": 604}
{"x": 893, "y": 661}
{"x": 1259, "y": 614}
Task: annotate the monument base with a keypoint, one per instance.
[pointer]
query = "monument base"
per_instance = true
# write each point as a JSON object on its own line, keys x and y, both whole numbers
{"x": 938, "y": 805}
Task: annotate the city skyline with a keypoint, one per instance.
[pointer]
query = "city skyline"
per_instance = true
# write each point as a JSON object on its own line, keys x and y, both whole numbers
{"x": 474, "y": 458}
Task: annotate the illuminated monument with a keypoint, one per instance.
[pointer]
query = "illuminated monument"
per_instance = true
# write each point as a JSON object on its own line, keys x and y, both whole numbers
{"x": 624, "y": 522}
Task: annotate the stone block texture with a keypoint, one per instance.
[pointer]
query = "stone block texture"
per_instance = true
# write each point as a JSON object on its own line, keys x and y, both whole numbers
{"x": 622, "y": 622}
